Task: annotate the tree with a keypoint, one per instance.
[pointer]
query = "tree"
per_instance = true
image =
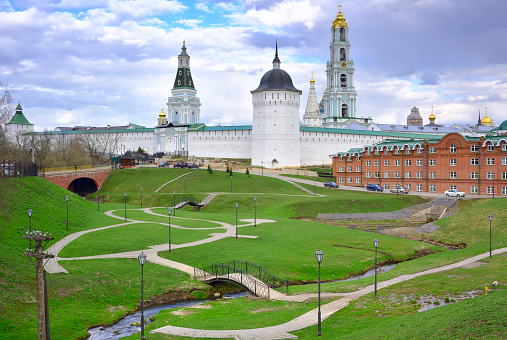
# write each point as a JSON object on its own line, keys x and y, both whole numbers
{"x": 6, "y": 105}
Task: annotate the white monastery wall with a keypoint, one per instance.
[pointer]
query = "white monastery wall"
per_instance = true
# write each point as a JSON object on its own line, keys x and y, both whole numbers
{"x": 220, "y": 143}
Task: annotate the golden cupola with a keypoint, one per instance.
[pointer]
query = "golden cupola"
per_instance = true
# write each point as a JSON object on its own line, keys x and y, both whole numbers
{"x": 432, "y": 117}
{"x": 487, "y": 121}
{"x": 162, "y": 113}
{"x": 340, "y": 20}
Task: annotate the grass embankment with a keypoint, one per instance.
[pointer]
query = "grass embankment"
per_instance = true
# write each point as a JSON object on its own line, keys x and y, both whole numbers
{"x": 274, "y": 197}
{"x": 93, "y": 292}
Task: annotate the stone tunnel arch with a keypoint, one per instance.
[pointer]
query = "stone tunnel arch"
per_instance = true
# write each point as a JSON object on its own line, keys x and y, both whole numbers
{"x": 83, "y": 186}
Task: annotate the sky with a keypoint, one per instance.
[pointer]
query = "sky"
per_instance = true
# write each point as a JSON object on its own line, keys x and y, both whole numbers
{"x": 112, "y": 62}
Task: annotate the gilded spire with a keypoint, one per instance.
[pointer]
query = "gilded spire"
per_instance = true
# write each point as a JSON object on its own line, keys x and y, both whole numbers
{"x": 340, "y": 20}
{"x": 312, "y": 81}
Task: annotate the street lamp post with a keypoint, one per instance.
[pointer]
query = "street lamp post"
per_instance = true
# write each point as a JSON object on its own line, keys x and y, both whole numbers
{"x": 490, "y": 220}
{"x": 142, "y": 260}
{"x": 141, "y": 197}
{"x": 98, "y": 199}
{"x": 237, "y": 204}
{"x": 375, "y": 243}
{"x": 67, "y": 199}
{"x": 315, "y": 185}
{"x": 319, "y": 255}
{"x": 262, "y": 167}
{"x": 174, "y": 202}
{"x": 125, "y": 194}
{"x": 231, "y": 183}
{"x": 255, "y": 211}
{"x": 30, "y": 216}
{"x": 185, "y": 184}
{"x": 169, "y": 215}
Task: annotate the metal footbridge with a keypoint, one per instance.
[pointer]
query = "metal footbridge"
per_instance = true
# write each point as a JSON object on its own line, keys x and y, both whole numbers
{"x": 251, "y": 276}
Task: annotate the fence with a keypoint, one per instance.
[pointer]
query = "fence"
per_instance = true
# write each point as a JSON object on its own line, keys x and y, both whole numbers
{"x": 18, "y": 169}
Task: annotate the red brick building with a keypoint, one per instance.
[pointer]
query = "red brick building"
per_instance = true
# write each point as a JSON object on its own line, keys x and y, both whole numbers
{"x": 475, "y": 165}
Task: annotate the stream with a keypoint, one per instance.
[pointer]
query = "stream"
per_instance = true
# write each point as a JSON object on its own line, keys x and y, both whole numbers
{"x": 123, "y": 328}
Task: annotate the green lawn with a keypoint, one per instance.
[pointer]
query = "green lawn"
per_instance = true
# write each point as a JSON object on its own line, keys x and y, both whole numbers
{"x": 101, "y": 291}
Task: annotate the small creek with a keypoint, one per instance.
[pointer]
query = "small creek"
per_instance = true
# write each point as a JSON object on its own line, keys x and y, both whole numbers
{"x": 123, "y": 327}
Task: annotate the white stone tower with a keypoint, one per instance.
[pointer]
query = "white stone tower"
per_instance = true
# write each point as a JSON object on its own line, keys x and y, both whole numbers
{"x": 183, "y": 107}
{"x": 340, "y": 94}
{"x": 312, "y": 116}
{"x": 275, "y": 125}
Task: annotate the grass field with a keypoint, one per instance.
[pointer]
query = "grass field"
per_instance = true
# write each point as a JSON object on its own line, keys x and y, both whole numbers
{"x": 101, "y": 291}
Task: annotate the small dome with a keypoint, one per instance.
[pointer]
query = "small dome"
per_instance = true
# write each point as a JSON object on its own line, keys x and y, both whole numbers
{"x": 486, "y": 121}
{"x": 276, "y": 79}
{"x": 162, "y": 113}
{"x": 414, "y": 118}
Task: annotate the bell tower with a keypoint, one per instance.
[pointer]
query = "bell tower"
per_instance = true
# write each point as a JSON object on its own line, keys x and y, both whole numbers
{"x": 340, "y": 94}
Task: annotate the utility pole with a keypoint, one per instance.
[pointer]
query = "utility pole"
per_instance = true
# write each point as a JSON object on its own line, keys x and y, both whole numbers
{"x": 42, "y": 290}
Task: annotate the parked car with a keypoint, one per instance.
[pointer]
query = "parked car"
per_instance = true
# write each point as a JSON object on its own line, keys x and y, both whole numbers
{"x": 180, "y": 165}
{"x": 400, "y": 190}
{"x": 331, "y": 185}
{"x": 163, "y": 165}
{"x": 373, "y": 187}
{"x": 193, "y": 166}
{"x": 454, "y": 193}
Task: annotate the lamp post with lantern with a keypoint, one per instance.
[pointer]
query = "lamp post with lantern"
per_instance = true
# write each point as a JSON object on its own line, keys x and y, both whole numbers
{"x": 490, "y": 220}
{"x": 375, "y": 243}
{"x": 169, "y": 215}
{"x": 142, "y": 260}
{"x": 237, "y": 204}
{"x": 319, "y": 255}
{"x": 98, "y": 199}
{"x": 255, "y": 211}
{"x": 67, "y": 199}
{"x": 125, "y": 194}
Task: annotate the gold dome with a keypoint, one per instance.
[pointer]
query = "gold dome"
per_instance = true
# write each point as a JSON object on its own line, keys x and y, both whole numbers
{"x": 162, "y": 113}
{"x": 432, "y": 116}
{"x": 486, "y": 121}
{"x": 340, "y": 20}
{"x": 312, "y": 81}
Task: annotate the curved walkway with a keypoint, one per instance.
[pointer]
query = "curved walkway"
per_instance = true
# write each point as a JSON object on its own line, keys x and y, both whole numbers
{"x": 53, "y": 265}
{"x": 310, "y": 318}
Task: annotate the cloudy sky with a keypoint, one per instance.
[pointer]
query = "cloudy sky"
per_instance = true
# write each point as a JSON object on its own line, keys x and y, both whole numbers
{"x": 99, "y": 62}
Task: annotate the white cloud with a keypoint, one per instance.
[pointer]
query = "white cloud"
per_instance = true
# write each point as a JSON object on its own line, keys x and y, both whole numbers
{"x": 140, "y": 9}
{"x": 203, "y": 7}
{"x": 281, "y": 14}
{"x": 191, "y": 23}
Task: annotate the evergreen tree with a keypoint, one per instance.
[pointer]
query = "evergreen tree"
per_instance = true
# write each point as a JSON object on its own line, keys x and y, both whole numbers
{"x": 247, "y": 172}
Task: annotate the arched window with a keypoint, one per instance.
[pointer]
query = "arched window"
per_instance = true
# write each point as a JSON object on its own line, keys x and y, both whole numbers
{"x": 343, "y": 80}
{"x": 345, "y": 110}
{"x": 452, "y": 148}
{"x": 343, "y": 57}
{"x": 342, "y": 34}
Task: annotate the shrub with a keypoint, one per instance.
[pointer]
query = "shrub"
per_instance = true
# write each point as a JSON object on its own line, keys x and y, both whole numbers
{"x": 436, "y": 303}
{"x": 447, "y": 300}
{"x": 247, "y": 172}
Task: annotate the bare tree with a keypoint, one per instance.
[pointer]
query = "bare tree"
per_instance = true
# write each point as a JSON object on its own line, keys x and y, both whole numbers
{"x": 6, "y": 105}
{"x": 41, "y": 146}
{"x": 100, "y": 147}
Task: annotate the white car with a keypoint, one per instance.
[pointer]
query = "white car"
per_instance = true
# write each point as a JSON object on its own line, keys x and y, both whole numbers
{"x": 454, "y": 193}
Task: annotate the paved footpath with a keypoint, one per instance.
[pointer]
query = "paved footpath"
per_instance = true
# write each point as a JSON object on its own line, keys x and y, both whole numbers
{"x": 310, "y": 318}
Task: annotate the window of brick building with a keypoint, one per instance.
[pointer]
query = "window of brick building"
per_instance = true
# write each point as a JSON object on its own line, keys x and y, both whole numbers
{"x": 474, "y": 189}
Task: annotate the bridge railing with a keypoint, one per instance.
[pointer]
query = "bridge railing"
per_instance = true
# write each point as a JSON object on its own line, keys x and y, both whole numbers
{"x": 262, "y": 274}
{"x": 222, "y": 271}
{"x": 191, "y": 200}
{"x": 245, "y": 269}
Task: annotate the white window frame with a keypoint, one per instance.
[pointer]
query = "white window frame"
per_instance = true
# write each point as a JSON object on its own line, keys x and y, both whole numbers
{"x": 418, "y": 162}
{"x": 490, "y": 175}
{"x": 452, "y": 162}
{"x": 474, "y": 189}
{"x": 368, "y": 174}
{"x": 474, "y": 161}
{"x": 377, "y": 174}
{"x": 376, "y": 163}
{"x": 408, "y": 174}
{"x": 358, "y": 168}
{"x": 368, "y": 163}
{"x": 490, "y": 161}
{"x": 349, "y": 168}
{"x": 386, "y": 162}
{"x": 358, "y": 180}
{"x": 504, "y": 190}
{"x": 433, "y": 149}
{"x": 474, "y": 148}
{"x": 504, "y": 159}
{"x": 408, "y": 162}
{"x": 433, "y": 175}
{"x": 490, "y": 190}
{"x": 386, "y": 174}
{"x": 396, "y": 162}
{"x": 504, "y": 175}
{"x": 452, "y": 187}
{"x": 340, "y": 169}
{"x": 433, "y": 188}
{"x": 396, "y": 174}
{"x": 418, "y": 174}
{"x": 340, "y": 179}
{"x": 452, "y": 175}
{"x": 433, "y": 162}
{"x": 474, "y": 175}
{"x": 452, "y": 148}
{"x": 419, "y": 187}
{"x": 491, "y": 147}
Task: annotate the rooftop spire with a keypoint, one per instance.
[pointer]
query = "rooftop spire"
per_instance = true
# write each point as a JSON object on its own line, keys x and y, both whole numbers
{"x": 276, "y": 61}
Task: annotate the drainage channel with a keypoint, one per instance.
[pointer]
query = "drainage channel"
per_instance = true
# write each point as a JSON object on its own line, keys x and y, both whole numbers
{"x": 125, "y": 328}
